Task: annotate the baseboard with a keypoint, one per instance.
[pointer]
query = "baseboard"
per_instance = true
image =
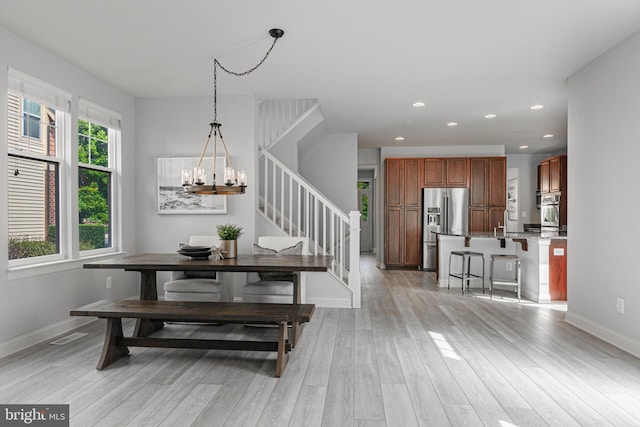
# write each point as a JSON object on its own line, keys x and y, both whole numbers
{"x": 605, "y": 334}
{"x": 41, "y": 335}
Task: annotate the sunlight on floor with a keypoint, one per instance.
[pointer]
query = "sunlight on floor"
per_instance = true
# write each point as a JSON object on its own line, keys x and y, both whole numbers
{"x": 444, "y": 346}
{"x": 508, "y": 297}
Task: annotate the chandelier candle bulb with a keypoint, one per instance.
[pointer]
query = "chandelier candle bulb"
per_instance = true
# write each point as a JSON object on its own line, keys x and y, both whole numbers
{"x": 242, "y": 178}
{"x": 229, "y": 176}
{"x": 199, "y": 176}
{"x": 187, "y": 177}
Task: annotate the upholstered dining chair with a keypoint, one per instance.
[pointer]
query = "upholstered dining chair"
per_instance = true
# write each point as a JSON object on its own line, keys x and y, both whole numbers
{"x": 198, "y": 285}
{"x": 274, "y": 287}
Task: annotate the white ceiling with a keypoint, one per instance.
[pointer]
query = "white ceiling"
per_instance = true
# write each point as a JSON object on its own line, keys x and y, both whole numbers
{"x": 366, "y": 61}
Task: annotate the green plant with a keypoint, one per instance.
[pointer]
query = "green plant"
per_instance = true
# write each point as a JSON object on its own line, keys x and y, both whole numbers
{"x": 23, "y": 247}
{"x": 92, "y": 236}
{"x": 229, "y": 231}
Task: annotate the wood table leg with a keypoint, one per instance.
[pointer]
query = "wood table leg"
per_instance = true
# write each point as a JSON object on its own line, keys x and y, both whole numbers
{"x": 111, "y": 349}
{"x": 148, "y": 291}
{"x": 283, "y": 355}
{"x": 296, "y": 327}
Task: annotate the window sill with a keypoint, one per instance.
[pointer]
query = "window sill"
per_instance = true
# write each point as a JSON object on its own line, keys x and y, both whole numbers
{"x": 32, "y": 270}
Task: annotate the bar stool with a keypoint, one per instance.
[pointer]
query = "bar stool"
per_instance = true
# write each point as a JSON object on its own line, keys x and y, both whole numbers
{"x": 468, "y": 276}
{"x": 512, "y": 281}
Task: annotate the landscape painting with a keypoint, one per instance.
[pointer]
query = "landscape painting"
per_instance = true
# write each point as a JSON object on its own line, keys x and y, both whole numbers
{"x": 172, "y": 199}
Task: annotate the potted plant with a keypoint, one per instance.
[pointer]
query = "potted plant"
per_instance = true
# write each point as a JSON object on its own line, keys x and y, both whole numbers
{"x": 228, "y": 234}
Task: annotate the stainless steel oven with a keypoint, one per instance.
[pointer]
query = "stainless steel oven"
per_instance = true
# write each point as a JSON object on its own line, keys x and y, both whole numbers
{"x": 550, "y": 210}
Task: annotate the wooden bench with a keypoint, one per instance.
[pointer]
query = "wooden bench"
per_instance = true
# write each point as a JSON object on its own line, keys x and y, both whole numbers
{"x": 115, "y": 343}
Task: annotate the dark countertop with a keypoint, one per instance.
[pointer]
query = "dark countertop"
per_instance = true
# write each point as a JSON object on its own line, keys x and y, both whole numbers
{"x": 541, "y": 235}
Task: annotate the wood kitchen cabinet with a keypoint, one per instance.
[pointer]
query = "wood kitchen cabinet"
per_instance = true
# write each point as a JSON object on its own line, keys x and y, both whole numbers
{"x": 402, "y": 182}
{"x": 403, "y": 212}
{"x": 406, "y": 177}
{"x": 558, "y": 270}
{"x": 544, "y": 176}
{"x": 412, "y": 187}
{"x": 487, "y": 193}
{"x": 445, "y": 172}
{"x": 553, "y": 179}
{"x": 553, "y": 174}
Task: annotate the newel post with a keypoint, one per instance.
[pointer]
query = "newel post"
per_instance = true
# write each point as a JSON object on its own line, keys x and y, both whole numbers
{"x": 354, "y": 257}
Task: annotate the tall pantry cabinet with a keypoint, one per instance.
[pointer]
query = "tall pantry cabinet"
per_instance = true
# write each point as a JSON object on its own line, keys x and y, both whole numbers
{"x": 403, "y": 212}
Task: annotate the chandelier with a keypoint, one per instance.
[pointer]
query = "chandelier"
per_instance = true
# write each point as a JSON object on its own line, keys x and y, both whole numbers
{"x": 234, "y": 183}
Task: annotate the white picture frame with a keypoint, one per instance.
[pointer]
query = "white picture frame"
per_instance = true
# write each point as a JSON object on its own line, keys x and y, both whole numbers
{"x": 170, "y": 195}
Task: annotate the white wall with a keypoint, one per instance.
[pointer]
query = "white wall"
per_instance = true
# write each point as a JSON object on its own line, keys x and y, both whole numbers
{"x": 331, "y": 165}
{"x": 603, "y": 153}
{"x": 179, "y": 126}
{"x": 36, "y": 307}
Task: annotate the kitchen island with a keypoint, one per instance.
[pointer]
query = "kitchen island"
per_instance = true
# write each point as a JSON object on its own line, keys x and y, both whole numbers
{"x": 542, "y": 257}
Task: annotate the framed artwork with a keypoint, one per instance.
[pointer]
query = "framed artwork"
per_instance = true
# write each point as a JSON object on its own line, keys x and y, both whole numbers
{"x": 512, "y": 199}
{"x": 171, "y": 197}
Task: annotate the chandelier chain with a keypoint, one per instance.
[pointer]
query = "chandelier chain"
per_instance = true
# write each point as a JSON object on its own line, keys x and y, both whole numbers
{"x": 217, "y": 64}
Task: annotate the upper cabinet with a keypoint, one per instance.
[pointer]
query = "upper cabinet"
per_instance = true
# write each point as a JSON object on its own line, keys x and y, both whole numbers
{"x": 402, "y": 182}
{"x": 488, "y": 177}
{"x": 445, "y": 172}
{"x": 412, "y": 194}
{"x": 553, "y": 174}
{"x": 487, "y": 192}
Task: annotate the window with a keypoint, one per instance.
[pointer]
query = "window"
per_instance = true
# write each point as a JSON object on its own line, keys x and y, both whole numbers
{"x": 44, "y": 222}
{"x": 31, "y": 118}
{"x": 34, "y": 177}
{"x": 98, "y": 139}
{"x": 94, "y": 186}
{"x": 363, "y": 200}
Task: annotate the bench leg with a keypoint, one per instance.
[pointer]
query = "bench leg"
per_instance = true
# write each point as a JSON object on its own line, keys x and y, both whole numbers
{"x": 111, "y": 350}
{"x": 282, "y": 349}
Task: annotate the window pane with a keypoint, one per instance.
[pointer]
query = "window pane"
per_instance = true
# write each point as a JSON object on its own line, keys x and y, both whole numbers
{"x": 364, "y": 211}
{"x": 31, "y": 126}
{"x": 33, "y": 193}
{"x": 94, "y": 206}
{"x": 93, "y": 144}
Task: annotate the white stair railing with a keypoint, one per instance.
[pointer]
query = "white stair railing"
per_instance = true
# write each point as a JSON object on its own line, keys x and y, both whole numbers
{"x": 276, "y": 116}
{"x": 295, "y": 207}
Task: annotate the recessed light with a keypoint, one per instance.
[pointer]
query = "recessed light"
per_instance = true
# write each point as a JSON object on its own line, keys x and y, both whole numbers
{"x": 490, "y": 116}
{"x": 399, "y": 138}
{"x": 549, "y": 135}
{"x": 450, "y": 124}
{"x": 536, "y": 107}
{"x": 523, "y": 147}
{"x": 419, "y": 104}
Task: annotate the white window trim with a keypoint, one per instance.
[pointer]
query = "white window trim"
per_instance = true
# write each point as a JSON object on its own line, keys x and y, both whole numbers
{"x": 114, "y": 141}
{"x": 70, "y": 257}
{"x": 64, "y": 212}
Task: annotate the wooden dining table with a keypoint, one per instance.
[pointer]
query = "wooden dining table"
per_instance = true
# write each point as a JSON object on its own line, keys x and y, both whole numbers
{"x": 148, "y": 264}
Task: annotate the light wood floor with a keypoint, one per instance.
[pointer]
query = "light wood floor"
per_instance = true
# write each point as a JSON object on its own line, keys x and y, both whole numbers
{"x": 412, "y": 355}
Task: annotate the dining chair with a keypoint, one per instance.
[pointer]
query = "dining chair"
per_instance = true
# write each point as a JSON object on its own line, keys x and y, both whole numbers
{"x": 198, "y": 285}
{"x": 274, "y": 287}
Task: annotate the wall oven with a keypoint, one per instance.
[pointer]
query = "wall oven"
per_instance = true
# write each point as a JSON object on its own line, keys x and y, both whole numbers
{"x": 550, "y": 211}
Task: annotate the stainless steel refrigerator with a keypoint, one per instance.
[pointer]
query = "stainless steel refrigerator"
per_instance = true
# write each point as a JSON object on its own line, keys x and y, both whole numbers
{"x": 445, "y": 211}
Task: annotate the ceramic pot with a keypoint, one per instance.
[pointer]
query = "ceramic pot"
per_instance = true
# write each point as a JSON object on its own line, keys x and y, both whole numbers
{"x": 229, "y": 248}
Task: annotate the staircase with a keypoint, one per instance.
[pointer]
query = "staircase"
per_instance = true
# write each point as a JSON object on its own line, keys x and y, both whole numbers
{"x": 293, "y": 205}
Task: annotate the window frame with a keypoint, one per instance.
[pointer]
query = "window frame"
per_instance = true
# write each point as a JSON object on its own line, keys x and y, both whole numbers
{"x": 69, "y": 255}
{"x": 113, "y": 144}
{"x": 62, "y": 133}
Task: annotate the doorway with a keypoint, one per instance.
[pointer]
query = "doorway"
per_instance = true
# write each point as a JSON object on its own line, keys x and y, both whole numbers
{"x": 365, "y": 187}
